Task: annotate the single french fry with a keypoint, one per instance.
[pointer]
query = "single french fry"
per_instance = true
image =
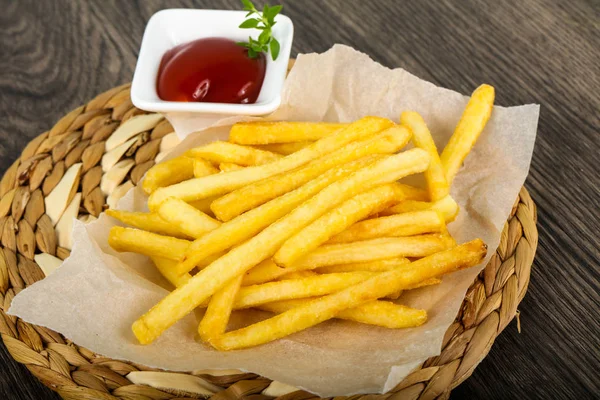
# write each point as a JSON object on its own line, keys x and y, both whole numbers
{"x": 147, "y": 243}
{"x": 327, "y": 307}
{"x": 373, "y": 249}
{"x": 193, "y": 222}
{"x": 168, "y": 173}
{"x": 335, "y": 221}
{"x": 244, "y": 226}
{"x": 237, "y": 261}
{"x": 251, "y": 296}
{"x": 203, "y": 168}
{"x": 373, "y": 266}
{"x": 203, "y": 205}
{"x": 467, "y": 131}
{"x": 446, "y": 206}
{"x": 297, "y": 275}
{"x": 151, "y": 222}
{"x": 226, "y": 167}
{"x": 284, "y": 148}
{"x": 166, "y": 268}
{"x": 405, "y": 224}
{"x": 379, "y": 313}
{"x": 226, "y": 152}
{"x": 264, "y": 272}
{"x": 251, "y": 196}
{"x": 412, "y": 193}
{"x": 216, "y": 317}
{"x": 198, "y": 188}
{"x": 434, "y": 175}
{"x": 262, "y": 132}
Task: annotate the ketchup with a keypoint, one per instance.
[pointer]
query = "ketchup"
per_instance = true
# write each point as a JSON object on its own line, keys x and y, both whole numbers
{"x": 215, "y": 70}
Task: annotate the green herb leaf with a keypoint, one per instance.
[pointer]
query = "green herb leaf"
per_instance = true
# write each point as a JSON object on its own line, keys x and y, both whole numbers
{"x": 248, "y": 5}
{"x": 265, "y": 21}
{"x": 274, "y": 47}
{"x": 249, "y": 23}
{"x": 272, "y": 12}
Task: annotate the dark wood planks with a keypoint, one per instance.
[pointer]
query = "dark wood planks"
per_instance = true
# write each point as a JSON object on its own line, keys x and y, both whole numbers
{"x": 56, "y": 55}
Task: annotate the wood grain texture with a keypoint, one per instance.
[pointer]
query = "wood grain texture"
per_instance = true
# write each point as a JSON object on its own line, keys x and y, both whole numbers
{"x": 56, "y": 55}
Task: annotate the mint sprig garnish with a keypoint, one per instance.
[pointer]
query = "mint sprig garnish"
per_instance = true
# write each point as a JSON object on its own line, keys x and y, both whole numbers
{"x": 263, "y": 21}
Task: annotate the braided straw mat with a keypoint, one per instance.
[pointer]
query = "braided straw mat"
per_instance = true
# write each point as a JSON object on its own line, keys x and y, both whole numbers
{"x": 77, "y": 373}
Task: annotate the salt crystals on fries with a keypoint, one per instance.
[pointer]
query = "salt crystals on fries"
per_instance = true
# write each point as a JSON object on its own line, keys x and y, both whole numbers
{"x": 305, "y": 220}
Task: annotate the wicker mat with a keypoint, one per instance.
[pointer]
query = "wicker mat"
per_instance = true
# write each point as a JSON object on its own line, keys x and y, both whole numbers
{"x": 77, "y": 373}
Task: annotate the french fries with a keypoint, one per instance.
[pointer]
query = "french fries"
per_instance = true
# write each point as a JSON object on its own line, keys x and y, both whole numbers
{"x": 373, "y": 249}
{"x": 283, "y": 148}
{"x": 373, "y": 266}
{"x": 226, "y": 167}
{"x": 446, "y": 206}
{"x": 184, "y": 299}
{"x": 471, "y": 124}
{"x": 327, "y": 307}
{"x": 311, "y": 223}
{"x": 199, "y": 188}
{"x": 225, "y": 152}
{"x": 248, "y": 197}
{"x": 151, "y": 222}
{"x": 168, "y": 173}
{"x": 147, "y": 243}
{"x": 434, "y": 175}
{"x": 218, "y": 311}
{"x": 335, "y": 221}
{"x": 251, "y": 296}
{"x": 203, "y": 168}
{"x": 280, "y": 132}
{"x": 189, "y": 220}
{"x": 405, "y": 224}
{"x": 166, "y": 268}
{"x": 379, "y": 313}
{"x": 250, "y": 223}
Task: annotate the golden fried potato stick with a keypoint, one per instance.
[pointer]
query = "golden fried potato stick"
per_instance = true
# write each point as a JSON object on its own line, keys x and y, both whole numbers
{"x": 253, "y": 195}
{"x": 225, "y": 152}
{"x": 264, "y": 132}
{"x": 266, "y": 271}
{"x": 251, "y": 296}
{"x": 446, "y": 206}
{"x": 283, "y": 148}
{"x": 147, "y": 243}
{"x": 296, "y": 275}
{"x": 166, "y": 268}
{"x": 379, "y": 313}
{"x": 198, "y": 188}
{"x": 471, "y": 124}
{"x": 327, "y": 307}
{"x": 435, "y": 175}
{"x": 373, "y": 249}
{"x": 237, "y": 261}
{"x": 226, "y": 167}
{"x": 373, "y": 266}
{"x": 193, "y": 222}
{"x": 203, "y": 205}
{"x": 244, "y": 226}
{"x": 412, "y": 193}
{"x": 203, "y": 168}
{"x": 168, "y": 173}
{"x": 151, "y": 222}
{"x": 335, "y": 221}
{"x": 405, "y": 224}
{"x": 216, "y": 317}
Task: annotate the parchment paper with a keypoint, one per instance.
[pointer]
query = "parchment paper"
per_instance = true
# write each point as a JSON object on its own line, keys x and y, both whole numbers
{"x": 94, "y": 297}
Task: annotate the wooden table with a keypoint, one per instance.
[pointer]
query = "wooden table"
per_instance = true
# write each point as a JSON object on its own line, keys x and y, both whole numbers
{"x": 56, "y": 55}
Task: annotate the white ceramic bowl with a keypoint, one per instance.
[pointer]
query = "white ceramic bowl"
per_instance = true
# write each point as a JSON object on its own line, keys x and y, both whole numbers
{"x": 169, "y": 28}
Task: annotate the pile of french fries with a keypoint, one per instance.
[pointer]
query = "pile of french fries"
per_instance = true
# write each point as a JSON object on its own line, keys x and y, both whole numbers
{"x": 308, "y": 221}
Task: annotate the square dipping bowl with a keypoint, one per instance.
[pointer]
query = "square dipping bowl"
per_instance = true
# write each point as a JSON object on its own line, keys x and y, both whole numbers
{"x": 172, "y": 27}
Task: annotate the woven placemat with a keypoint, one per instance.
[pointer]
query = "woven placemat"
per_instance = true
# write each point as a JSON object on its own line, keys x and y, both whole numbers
{"x": 77, "y": 373}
